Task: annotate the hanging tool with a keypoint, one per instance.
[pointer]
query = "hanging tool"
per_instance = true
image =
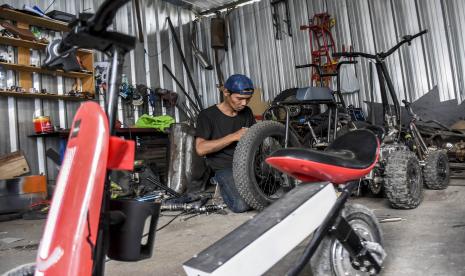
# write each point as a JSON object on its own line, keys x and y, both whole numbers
{"x": 194, "y": 105}
{"x": 201, "y": 57}
{"x": 277, "y": 19}
{"x": 184, "y": 62}
{"x": 136, "y": 9}
{"x": 218, "y": 42}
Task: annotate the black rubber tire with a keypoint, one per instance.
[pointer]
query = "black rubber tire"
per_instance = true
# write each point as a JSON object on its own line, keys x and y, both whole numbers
{"x": 245, "y": 158}
{"x": 436, "y": 172}
{"x": 322, "y": 263}
{"x": 403, "y": 181}
{"x": 22, "y": 270}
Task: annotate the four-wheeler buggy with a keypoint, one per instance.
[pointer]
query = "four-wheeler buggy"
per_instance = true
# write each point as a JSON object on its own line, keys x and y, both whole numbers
{"x": 405, "y": 163}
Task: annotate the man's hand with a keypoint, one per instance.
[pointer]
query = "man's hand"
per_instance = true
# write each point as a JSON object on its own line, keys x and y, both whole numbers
{"x": 204, "y": 147}
{"x": 238, "y": 134}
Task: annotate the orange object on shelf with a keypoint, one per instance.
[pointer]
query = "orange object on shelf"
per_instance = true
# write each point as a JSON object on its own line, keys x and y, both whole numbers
{"x": 42, "y": 124}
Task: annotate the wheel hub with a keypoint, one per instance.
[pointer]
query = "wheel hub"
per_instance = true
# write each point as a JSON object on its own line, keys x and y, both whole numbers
{"x": 340, "y": 259}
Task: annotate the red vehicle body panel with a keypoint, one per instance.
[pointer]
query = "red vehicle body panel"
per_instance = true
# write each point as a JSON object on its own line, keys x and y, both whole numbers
{"x": 71, "y": 230}
{"x": 310, "y": 171}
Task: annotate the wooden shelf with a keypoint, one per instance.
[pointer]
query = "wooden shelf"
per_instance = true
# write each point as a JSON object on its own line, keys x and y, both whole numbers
{"x": 21, "y": 43}
{"x": 40, "y": 96}
{"x": 27, "y": 68}
{"x": 126, "y": 132}
{"x": 29, "y": 44}
{"x": 34, "y": 20}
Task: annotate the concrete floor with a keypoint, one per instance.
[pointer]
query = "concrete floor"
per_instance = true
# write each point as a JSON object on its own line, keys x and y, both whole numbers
{"x": 429, "y": 241}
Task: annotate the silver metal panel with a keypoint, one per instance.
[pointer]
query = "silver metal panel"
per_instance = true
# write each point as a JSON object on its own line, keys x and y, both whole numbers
{"x": 437, "y": 47}
{"x": 25, "y": 114}
{"x": 5, "y": 133}
{"x": 267, "y": 50}
{"x": 414, "y": 66}
{"x": 301, "y": 42}
{"x": 455, "y": 16}
{"x": 251, "y": 45}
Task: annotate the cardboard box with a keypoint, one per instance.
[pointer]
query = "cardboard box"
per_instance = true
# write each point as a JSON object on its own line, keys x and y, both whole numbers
{"x": 257, "y": 105}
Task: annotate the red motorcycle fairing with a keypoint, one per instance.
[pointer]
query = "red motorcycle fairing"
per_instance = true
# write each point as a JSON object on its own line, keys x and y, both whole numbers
{"x": 71, "y": 229}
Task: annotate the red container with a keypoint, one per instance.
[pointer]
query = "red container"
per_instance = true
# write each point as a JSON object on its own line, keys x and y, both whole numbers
{"x": 42, "y": 124}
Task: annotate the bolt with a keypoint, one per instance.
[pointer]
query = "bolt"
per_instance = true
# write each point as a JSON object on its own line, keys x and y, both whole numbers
{"x": 220, "y": 263}
{"x": 366, "y": 263}
{"x": 372, "y": 271}
{"x": 363, "y": 269}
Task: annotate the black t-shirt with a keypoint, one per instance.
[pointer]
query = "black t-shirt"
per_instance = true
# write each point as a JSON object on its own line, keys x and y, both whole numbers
{"x": 213, "y": 124}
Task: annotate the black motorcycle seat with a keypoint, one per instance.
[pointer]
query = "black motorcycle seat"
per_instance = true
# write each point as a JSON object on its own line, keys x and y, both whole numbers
{"x": 354, "y": 150}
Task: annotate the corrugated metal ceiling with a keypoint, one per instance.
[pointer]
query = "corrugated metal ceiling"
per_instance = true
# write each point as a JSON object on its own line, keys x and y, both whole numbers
{"x": 203, "y": 5}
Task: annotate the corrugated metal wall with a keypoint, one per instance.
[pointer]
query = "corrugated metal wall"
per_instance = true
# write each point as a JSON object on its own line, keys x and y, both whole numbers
{"x": 142, "y": 66}
{"x": 436, "y": 60}
{"x": 434, "y": 63}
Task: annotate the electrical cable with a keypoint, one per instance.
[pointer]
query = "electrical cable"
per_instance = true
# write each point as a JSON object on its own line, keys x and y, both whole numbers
{"x": 168, "y": 223}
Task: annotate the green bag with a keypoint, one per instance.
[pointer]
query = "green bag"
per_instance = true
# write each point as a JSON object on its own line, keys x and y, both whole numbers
{"x": 158, "y": 122}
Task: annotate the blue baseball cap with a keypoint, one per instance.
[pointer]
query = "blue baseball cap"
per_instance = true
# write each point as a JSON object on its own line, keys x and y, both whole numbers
{"x": 239, "y": 84}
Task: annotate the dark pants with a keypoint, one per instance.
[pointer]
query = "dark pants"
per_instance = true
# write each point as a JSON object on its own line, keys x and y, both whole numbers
{"x": 228, "y": 190}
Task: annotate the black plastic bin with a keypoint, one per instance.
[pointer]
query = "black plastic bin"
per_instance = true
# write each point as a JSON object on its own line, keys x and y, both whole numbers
{"x": 126, "y": 236}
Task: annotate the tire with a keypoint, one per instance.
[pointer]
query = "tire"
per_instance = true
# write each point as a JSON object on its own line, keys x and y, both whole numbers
{"x": 331, "y": 258}
{"x": 436, "y": 171}
{"x": 403, "y": 181}
{"x": 257, "y": 183}
{"x": 22, "y": 270}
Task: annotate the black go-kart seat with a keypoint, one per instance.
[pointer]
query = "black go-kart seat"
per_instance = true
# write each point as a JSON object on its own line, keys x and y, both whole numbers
{"x": 351, "y": 156}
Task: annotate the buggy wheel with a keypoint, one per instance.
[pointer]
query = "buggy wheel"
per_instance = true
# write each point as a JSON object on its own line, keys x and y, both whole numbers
{"x": 22, "y": 270}
{"x": 403, "y": 181}
{"x": 436, "y": 171}
{"x": 257, "y": 182}
{"x": 331, "y": 258}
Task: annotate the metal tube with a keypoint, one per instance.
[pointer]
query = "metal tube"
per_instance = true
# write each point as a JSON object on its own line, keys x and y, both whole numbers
{"x": 101, "y": 245}
{"x": 286, "y": 137}
{"x": 392, "y": 92}
{"x": 384, "y": 99}
{"x": 329, "y": 124}
{"x": 183, "y": 59}
{"x": 191, "y": 101}
{"x": 113, "y": 87}
{"x": 335, "y": 123}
